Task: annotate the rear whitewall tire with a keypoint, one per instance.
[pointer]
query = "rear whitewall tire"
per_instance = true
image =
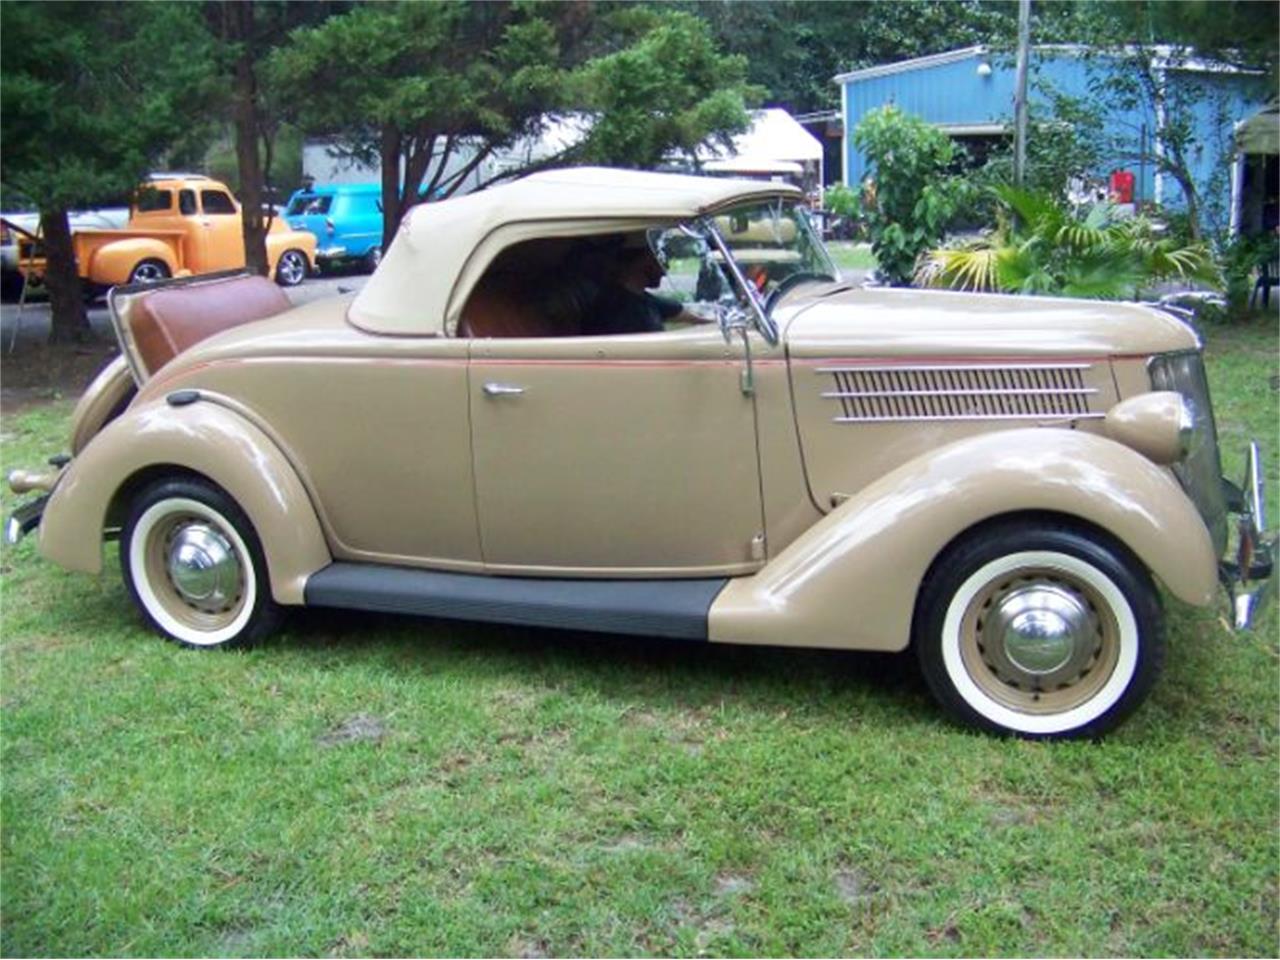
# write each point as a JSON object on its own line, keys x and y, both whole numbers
{"x": 161, "y": 516}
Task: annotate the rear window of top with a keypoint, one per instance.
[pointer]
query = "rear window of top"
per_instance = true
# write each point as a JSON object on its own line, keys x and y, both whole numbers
{"x": 150, "y": 200}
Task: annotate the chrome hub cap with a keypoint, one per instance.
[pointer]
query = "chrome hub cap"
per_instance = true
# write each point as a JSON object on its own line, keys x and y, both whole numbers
{"x": 291, "y": 268}
{"x": 203, "y": 568}
{"x": 1039, "y": 641}
{"x": 1039, "y": 628}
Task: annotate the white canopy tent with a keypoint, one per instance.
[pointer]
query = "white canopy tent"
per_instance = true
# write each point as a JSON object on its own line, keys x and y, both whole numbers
{"x": 773, "y": 138}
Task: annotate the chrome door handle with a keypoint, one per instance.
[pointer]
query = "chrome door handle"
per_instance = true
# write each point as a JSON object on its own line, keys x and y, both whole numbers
{"x": 502, "y": 390}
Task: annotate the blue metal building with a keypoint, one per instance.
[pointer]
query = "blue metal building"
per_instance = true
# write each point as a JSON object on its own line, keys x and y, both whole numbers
{"x": 968, "y": 93}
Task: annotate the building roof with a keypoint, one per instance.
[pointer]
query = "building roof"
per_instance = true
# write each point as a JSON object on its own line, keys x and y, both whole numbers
{"x": 443, "y": 248}
{"x": 1164, "y": 56}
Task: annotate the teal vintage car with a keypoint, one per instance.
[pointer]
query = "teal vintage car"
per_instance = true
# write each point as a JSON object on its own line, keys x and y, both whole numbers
{"x": 346, "y": 219}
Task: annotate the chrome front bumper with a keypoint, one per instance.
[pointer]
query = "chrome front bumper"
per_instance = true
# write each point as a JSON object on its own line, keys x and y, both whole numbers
{"x": 1251, "y": 578}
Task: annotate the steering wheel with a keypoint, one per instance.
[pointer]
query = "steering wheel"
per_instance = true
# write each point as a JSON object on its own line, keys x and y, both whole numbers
{"x": 790, "y": 283}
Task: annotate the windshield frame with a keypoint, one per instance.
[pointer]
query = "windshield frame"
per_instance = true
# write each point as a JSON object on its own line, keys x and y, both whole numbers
{"x": 760, "y": 306}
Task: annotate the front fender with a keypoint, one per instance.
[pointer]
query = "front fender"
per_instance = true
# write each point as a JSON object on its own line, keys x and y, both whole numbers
{"x": 207, "y": 439}
{"x": 851, "y": 580}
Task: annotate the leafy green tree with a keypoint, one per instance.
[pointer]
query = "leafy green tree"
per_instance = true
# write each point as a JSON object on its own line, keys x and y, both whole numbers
{"x": 247, "y": 32}
{"x": 667, "y": 90}
{"x": 418, "y": 85}
{"x": 1138, "y": 53}
{"x": 91, "y": 96}
{"x": 433, "y": 90}
{"x": 910, "y": 196}
{"x": 795, "y": 47}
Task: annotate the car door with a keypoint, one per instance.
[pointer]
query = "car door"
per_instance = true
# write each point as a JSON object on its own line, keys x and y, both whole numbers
{"x": 223, "y": 245}
{"x": 615, "y": 456}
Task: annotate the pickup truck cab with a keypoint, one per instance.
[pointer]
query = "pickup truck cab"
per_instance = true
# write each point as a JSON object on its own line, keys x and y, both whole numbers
{"x": 345, "y": 218}
{"x": 179, "y": 225}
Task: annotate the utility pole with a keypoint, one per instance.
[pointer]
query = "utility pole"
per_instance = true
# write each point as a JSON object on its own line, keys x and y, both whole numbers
{"x": 1020, "y": 94}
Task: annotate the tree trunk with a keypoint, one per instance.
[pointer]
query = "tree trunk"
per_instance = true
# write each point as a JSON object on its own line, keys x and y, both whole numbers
{"x": 392, "y": 211}
{"x": 70, "y": 322}
{"x": 239, "y": 25}
{"x": 1193, "y": 204}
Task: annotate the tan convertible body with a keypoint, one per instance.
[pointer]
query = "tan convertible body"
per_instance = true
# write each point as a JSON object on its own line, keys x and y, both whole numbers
{"x": 994, "y": 480}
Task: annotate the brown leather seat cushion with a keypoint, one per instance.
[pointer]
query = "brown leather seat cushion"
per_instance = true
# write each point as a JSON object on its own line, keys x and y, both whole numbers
{"x": 499, "y": 306}
{"x": 166, "y": 322}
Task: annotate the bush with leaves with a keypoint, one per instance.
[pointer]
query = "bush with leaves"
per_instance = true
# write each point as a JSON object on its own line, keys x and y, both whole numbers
{"x": 912, "y": 196}
{"x": 1040, "y": 247}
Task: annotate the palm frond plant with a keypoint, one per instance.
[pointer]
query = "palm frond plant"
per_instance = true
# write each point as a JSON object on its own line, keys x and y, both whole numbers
{"x": 1039, "y": 246}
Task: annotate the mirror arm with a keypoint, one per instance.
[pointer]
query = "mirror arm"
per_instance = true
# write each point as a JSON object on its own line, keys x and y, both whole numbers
{"x": 748, "y": 376}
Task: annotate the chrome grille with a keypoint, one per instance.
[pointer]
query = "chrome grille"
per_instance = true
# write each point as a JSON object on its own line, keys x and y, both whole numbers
{"x": 880, "y": 394}
{"x": 1200, "y": 473}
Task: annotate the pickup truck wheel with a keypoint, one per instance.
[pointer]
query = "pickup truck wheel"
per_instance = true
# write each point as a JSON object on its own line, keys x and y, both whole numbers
{"x": 1040, "y": 631}
{"x": 372, "y": 259}
{"x": 195, "y": 568}
{"x": 291, "y": 268}
{"x": 149, "y": 271}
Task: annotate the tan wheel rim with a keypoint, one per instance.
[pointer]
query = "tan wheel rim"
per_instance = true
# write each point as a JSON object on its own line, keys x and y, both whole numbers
{"x": 1039, "y": 640}
{"x": 195, "y": 571}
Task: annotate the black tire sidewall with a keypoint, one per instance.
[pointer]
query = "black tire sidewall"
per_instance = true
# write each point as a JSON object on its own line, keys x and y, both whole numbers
{"x": 266, "y": 615}
{"x": 1104, "y": 554}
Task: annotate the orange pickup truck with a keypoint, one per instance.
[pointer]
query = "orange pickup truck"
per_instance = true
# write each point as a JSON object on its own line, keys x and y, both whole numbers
{"x": 179, "y": 225}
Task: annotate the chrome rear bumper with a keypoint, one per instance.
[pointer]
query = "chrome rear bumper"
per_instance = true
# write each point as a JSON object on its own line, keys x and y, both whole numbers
{"x": 25, "y": 519}
{"x": 1251, "y": 578}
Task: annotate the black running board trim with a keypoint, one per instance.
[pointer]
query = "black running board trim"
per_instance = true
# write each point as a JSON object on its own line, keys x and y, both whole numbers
{"x": 654, "y": 608}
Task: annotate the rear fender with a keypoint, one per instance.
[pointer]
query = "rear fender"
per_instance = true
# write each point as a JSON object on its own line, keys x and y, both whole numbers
{"x": 104, "y": 399}
{"x": 113, "y": 263}
{"x": 851, "y": 580}
{"x": 204, "y": 438}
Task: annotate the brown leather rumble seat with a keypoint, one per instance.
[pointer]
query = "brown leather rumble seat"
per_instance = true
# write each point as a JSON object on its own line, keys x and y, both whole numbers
{"x": 166, "y": 322}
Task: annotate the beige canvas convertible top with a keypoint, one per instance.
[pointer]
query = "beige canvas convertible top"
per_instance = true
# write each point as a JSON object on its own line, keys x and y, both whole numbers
{"x": 443, "y": 248}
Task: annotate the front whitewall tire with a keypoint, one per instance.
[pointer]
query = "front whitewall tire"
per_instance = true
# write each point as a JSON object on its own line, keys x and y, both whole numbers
{"x": 1040, "y": 628}
{"x": 1029, "y": 723}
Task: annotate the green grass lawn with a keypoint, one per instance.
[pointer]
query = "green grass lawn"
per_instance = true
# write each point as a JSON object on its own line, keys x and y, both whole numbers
{"x": 380, "y": 786}
{"x": 852, "y": 256}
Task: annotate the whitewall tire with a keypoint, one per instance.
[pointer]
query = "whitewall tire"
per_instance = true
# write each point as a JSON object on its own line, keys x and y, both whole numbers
{"x": 194, "y": 567}
{"x": 1039, "y": 630}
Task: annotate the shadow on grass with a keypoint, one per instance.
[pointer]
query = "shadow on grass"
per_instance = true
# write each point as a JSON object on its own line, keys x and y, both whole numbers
{"x": 676, "y": 673}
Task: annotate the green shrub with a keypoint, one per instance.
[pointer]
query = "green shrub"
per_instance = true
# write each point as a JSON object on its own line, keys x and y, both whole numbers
{"x": 912, "y": 198}
{"x": 1040, "y": 247}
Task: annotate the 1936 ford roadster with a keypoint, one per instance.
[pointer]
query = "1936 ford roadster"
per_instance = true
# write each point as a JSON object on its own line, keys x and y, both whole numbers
{"x": 999, "y": 482}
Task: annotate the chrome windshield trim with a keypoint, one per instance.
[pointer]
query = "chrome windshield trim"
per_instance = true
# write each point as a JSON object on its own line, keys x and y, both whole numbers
{"x": 764, "y": 324}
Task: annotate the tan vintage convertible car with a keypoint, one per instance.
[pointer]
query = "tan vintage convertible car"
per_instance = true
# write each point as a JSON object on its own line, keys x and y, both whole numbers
{"x": 647, "y": 404}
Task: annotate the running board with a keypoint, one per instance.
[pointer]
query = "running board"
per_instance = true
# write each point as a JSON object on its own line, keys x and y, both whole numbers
{"x": 653, "y": 608}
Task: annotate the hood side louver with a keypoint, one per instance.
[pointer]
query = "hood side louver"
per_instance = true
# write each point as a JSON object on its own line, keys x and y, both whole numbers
{"x": 879, "y": 394}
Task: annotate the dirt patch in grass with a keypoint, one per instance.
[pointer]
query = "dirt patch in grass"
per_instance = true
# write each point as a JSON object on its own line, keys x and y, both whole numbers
{"x": 38, "y": 374}
{"x": 361, "y": 727}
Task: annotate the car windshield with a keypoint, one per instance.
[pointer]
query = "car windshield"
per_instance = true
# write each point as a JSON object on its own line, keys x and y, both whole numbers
{"x": 308, "y": 203}
{"x": 771, "y": 245}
